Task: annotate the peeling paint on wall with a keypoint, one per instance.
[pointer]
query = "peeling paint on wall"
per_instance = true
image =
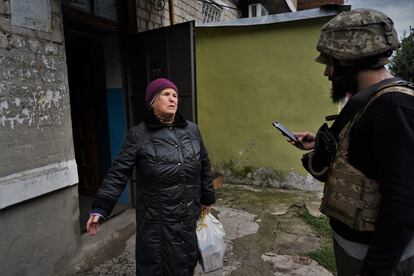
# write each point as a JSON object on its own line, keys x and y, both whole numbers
{"x": 35, "y": 121}
{"x": 3, "y": 106}
{"x": 40, "y": 107}
{"x": 33, "y": 89}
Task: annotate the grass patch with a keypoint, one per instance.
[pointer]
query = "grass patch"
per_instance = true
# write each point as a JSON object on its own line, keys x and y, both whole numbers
{"x": 320, "y": 225}
{"x": 325, "y": 255}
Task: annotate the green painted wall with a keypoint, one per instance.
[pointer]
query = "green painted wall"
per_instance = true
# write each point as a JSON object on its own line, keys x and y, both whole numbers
{"x": 248, "y": 77}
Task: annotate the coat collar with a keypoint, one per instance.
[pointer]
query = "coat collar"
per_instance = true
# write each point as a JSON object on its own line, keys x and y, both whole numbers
{"x": 152, "y": 122}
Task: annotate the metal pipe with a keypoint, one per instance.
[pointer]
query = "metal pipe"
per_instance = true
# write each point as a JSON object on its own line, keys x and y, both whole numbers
{"x": 171, "y": 6}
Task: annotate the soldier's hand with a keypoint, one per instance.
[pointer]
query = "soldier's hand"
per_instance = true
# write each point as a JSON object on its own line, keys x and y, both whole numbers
{"x": 306, "y": 140}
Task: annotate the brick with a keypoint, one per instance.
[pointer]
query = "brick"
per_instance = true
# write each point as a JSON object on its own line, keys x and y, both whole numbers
{"x": 5, "y": 24}
{"x": 7, "y": 9}
{"x": 17, "y": 41}
{"x": 157, "y": 19}
{"x": 2, "y": 8}
{"x": 142, "y": 4}
{"x": 143, "y": 24}
{"x": 34, "y": 44}
{"x": 143, "y": 14}
{"x": 51, "y": 49}
{"x": 4, "y": 43}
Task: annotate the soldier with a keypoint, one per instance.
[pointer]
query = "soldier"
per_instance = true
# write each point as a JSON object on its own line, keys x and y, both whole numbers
{"x": 366, "y": 158}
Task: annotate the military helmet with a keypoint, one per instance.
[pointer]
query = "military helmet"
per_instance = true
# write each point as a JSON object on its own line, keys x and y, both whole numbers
{"x": 357, "y": 35}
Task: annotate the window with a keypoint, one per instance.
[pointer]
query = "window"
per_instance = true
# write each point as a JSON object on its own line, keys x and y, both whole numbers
{"x": 101, "y": 8}
{"x": 211, "y": 12}
{"x": 256, "y": 10}
{"x": 83, "y": 5}
{"x": 106, "y": 9}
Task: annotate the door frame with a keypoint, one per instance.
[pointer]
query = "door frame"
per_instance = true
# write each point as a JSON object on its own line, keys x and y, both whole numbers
{"x": 135, "y": 90}
{"x": 81, "y": 22}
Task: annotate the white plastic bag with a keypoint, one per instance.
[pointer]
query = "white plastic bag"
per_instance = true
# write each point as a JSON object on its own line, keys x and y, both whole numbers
{"x": 211, "y": 242}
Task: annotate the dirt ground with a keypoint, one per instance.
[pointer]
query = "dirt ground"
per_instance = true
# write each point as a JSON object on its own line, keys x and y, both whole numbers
{"x": 282, "y": 230}
{"x": 267, "y": 234}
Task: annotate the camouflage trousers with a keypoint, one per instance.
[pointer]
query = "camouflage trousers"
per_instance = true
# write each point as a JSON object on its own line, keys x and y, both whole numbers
{"x": 347, "y": 265}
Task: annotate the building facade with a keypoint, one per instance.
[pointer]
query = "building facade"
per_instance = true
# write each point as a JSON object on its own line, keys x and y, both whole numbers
{"x": 271, "y": 76}
{"x": 64, "y": 112}
{"x": 155, "y": 14}
{"x": 72, "y": 77}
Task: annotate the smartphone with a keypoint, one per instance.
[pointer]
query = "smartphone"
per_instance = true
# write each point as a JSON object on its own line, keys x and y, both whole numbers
{"x": 286, "y": 132}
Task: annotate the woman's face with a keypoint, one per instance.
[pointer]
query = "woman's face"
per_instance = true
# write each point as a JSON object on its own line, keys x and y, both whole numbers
{"x": 166, "y": 102}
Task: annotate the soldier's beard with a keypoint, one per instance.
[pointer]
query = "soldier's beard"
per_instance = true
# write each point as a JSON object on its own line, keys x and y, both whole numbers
{"x": 344, "y": 82}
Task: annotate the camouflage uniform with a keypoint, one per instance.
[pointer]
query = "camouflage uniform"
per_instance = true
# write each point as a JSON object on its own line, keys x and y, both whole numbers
{"x": 359, "y": 40}
{"x": 356, "y": 36}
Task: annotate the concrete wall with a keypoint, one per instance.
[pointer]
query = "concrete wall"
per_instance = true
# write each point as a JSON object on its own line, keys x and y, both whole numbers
{"x": 34, "y": 96}
{"x": 39, "y": 216}
{"x": 248, "y": 77}
{"x": 312, "y": 4}
{"x": 35, "y": 124}
{"x": 149, "y": 18}
{"x": 39, "y": 210}
{"x": 40, "y": 236}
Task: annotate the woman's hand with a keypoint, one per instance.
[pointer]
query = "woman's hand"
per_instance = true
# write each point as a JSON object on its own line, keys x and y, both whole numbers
{"x": 306, "y": 140}
{"x": 92, "y": 226}
{"x": 205, "y": 210}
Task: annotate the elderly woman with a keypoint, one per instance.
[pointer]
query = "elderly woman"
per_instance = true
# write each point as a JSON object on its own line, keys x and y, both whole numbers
{"x": 172, "y": 161}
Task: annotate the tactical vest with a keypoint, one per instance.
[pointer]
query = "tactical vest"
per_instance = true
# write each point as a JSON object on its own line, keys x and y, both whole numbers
{"x": 349, "y": 196}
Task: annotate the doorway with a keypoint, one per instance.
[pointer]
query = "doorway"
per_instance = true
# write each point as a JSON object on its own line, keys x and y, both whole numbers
{"x": 107, "y": 95}
{"x": 98, "y": 108}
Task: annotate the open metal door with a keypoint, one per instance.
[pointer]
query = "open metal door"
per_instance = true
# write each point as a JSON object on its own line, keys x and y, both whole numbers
{"x": 165, "y": 52}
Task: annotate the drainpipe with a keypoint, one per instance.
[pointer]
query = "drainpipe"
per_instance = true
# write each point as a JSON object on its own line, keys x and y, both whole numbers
{"x": 171, "y": 5}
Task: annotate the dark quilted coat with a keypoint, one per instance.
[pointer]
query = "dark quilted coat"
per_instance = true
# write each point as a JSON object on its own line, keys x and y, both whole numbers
{"x": 174, "y": 167}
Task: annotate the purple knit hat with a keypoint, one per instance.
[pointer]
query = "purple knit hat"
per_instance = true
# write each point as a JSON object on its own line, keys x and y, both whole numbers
{"x": 155, "y": 87}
